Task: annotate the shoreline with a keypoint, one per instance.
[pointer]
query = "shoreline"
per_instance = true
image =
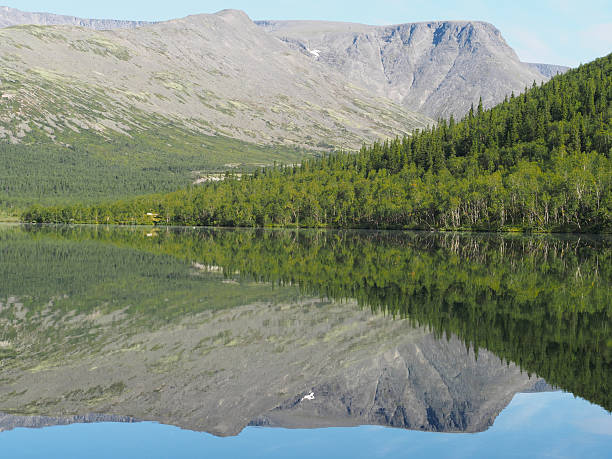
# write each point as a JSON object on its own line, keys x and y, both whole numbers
{"x": 513, "y": 231}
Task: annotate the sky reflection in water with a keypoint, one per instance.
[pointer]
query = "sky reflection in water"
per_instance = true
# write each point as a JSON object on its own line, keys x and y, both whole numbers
{"x": 534, "y": 425}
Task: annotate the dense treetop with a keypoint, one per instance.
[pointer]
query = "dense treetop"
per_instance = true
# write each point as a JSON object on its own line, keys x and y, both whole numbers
{"x": 87, "y": 167}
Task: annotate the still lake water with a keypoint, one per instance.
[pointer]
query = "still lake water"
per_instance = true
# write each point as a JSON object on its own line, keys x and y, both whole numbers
{"x": 154, "y": 342}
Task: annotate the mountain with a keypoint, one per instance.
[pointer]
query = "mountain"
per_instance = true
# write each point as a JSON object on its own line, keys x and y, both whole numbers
{"x": 89, "y": 115}
{"x": 217, "y": 74}
{"x": 436, "y": 68}
{"x": 12, "y": 17}
{"x": 486, "y": 172}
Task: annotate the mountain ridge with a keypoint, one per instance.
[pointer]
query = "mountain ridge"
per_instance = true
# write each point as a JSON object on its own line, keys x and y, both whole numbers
{"x": 108, "y": 114}
{"x": 191, "y": 71}
{"x": 419, "y": 87}
{"x": 438, "y": 68}
{"x": 12, "y": 16}
{"x": 177, "y": 88}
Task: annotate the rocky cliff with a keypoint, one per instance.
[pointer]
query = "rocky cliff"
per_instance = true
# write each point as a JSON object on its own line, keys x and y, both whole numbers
{"x": 12, "y": 17}
{"x": 435, "y": 68}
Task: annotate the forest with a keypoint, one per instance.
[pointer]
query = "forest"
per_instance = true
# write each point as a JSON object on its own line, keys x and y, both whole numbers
{"x": 85, "y": 167}
{"x": 539, "y": 161}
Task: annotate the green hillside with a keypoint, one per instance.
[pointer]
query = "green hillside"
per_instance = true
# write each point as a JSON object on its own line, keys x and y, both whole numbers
{"x": 538, "y": 161}
{"x": 88, "y": 167}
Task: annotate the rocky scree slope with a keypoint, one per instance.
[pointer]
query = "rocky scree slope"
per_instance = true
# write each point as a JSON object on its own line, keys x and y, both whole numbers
{"x": 215, "y": 74}
{"x": 435, "y": 68}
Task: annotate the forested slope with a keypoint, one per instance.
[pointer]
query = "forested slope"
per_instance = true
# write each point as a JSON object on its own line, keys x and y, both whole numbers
{"x": 88, "y": 168}
{"x": 538, "y": 161}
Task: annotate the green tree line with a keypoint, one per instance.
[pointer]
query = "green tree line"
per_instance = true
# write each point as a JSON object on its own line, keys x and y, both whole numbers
{"x": 537, "y": 161}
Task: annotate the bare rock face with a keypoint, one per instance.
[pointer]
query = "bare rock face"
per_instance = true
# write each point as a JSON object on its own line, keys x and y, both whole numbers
{"x": 435, "y": 68}
{"x": 12, "y": 17}
{"x": 549, "y": 70}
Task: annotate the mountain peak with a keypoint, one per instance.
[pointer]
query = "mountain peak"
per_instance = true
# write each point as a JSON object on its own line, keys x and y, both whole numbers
{"x": 233, "y": 14}
{"x": 233, "y": 18}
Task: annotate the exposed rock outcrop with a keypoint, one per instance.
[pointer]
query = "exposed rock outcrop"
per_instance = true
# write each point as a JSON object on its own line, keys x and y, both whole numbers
{"x": 436, "y": 68}
{"x": 12, "y": 17}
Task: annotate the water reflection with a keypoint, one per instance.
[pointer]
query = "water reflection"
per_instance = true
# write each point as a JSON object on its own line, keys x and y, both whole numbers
{"x": 215, "y": 330}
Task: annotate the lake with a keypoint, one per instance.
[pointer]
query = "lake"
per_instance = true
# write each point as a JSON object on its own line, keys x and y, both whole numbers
{"x": 185, "y": 342}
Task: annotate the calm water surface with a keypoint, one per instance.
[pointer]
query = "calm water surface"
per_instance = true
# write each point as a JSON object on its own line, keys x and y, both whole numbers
{"x": 143, "y": 342}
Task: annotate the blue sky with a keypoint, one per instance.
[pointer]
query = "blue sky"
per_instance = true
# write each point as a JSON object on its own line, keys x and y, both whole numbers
{"x": 551, "y": 31}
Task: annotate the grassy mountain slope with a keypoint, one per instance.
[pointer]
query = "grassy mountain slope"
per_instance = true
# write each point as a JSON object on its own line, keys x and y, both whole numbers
{"x": 539, "y": 161}
{"x": 217, "y": 74}
{"x": 95, "y": 115}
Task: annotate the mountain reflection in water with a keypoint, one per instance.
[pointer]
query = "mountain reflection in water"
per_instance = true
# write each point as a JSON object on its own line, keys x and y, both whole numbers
{"x": 214, "y": 330}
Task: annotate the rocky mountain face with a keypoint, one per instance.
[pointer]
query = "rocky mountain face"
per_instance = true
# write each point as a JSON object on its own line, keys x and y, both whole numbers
{"x": 216, "y": 74}
{"x": 12, "y": 17}
{"x": 435, "y": 68}
{"x": 306, "y": 363}
{"x": 549, "y": 70}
